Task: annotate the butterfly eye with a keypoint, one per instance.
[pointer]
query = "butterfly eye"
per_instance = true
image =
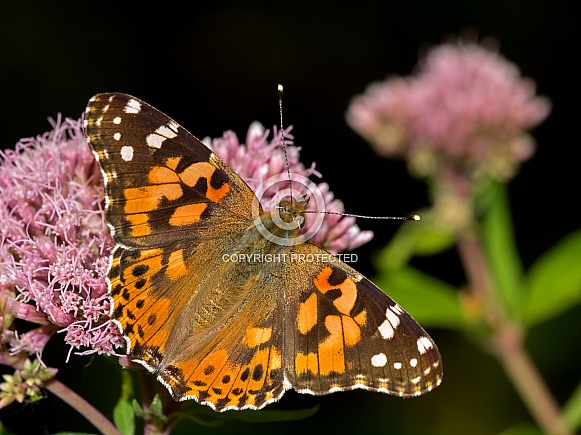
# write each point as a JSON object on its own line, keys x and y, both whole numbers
{"x": 286, "y": 216}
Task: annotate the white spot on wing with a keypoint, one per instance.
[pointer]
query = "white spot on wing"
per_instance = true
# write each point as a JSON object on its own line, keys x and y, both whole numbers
{"x": 169, "y": 131}
{"x": 379, "y": 360}
{"x": 387, "y": 328}
{"x": 396, "y": 309}
{"x": 132, "y": 106}
{"x": 413, "y": 362}
{"x": 127, "y": 153}
{"x": 154, "y": 140}
{"x": 117, "y": 120}
{"x": 173, "y": 125}
{"x": 397, "y": 365}
{"x": 424, "y": 344}
{"x": 393, "y": 318}
{"x": 117, "y": 136}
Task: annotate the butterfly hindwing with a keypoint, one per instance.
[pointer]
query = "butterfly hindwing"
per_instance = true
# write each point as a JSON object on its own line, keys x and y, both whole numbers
{"x": 348, "y": 334}
{"x": 241, "y": 367}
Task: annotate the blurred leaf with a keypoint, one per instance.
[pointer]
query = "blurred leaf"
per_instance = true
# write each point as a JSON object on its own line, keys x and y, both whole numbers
{"x": 4, "y": 431}
{"x": 504, "y": 261}
{"x": 124, "y": 418}
{"x": 554, "y": 280}
{"x": 572, "y": 410}
{"x": 429, "y": 300}
{"x": 156, "y": 408}
{"x": 421, "y": 237}
{"x": 523, "y": 429}
{"x": 123, "y": 413}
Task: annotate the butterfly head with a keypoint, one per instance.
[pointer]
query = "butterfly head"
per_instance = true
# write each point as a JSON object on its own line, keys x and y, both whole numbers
{"x": 291, "y": 211}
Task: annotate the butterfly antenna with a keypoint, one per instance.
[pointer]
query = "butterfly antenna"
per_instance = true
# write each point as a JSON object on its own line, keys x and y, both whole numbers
{"x": 280, "y": 90}
{"x": 413, "y": 217}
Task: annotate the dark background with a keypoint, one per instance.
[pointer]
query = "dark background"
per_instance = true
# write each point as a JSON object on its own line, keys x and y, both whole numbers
{"x": 215, "y": 65}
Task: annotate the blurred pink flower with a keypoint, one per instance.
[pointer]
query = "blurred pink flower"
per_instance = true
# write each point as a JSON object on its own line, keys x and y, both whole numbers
{"x": 466, "y": 107}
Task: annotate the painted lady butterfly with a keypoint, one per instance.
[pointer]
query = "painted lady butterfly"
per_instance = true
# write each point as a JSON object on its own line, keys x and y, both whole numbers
{"x": 235, "y": 335}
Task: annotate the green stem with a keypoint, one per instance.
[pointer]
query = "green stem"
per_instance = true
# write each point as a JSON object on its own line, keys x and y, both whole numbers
{"x": 508, "y": 341}
{"x": 81, "y": 406}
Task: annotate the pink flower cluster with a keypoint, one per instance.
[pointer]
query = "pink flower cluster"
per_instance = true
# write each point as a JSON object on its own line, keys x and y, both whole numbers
{"x": 54, "y": 242}
{"x": 466, "y": 105}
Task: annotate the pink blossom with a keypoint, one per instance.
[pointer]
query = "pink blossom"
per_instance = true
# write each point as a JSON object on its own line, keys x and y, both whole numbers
{"x": 54, "y": 240}
{"x": 466, "y": 106}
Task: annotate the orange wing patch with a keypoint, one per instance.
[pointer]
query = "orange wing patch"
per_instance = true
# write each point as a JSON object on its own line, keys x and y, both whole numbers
{"x": 195, "y": 171}
{"x": 307, "y": 316}
{"x": 342, "y": 328}
{"x": 346, "y": 301}
{"x": 187, "y": 214}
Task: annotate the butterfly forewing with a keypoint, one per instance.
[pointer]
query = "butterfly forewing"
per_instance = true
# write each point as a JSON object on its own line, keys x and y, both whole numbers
{"x": 162, "y": 184}
{"x": 233, "y": 335}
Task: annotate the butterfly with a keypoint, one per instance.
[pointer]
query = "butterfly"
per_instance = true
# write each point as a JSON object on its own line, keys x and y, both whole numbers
{"x": 235, "y": 334}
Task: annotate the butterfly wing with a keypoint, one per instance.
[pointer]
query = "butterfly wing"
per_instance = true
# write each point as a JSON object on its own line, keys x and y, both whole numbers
{"x": 175, "y": 209}
{"x": 163, "y": 185}
{"x": 345, "y": 333}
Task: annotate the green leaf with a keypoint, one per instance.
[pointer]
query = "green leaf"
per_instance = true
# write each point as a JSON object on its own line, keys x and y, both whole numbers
{"x": 4, "y": 431}
{"x": 429, "y": 300}
{"x": 156, "y": 408}
{"x": 523, "y": 429}
{"x": 503, "y": 257}
{"x": 554, "y": 280}
{"x": 124, "y": 417}
{"x": 123, "y": 413}
{"x": 572, "y": 410}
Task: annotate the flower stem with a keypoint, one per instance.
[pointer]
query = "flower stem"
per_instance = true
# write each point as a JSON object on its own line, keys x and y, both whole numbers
{"x": 508, "y": 341}
{"x": 81, "y": 406}
{"x": 528, "y": 381}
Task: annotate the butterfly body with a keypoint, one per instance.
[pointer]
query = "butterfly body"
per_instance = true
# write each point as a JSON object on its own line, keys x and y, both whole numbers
{"x": 218, "y": 311}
